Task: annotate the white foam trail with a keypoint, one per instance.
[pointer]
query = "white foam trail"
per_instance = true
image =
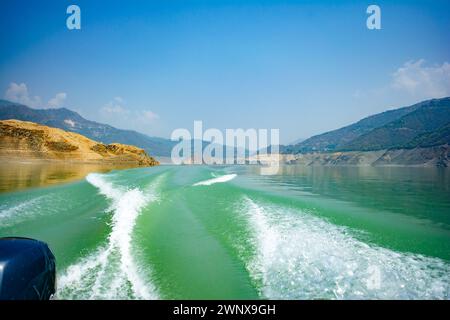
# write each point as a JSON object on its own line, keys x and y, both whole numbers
{"x": 111, "y": 272}
{"x": 220, "y": 179}
{"x": 20, "y": 212}
{"x": 105, "y": 188}
{"x": 299, "y": 256}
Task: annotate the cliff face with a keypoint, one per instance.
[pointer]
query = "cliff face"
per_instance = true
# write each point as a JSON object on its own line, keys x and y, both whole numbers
{"x": 438, "y": 156}
{"x": 28, "y": 140}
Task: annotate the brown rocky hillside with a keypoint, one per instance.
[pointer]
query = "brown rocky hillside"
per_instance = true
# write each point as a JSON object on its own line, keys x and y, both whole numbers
{"x": 30, "y": 141}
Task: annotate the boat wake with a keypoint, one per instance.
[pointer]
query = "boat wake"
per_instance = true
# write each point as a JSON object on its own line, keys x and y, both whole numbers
{"x": 20, "y": 212}
{"x": 300, "y": 256}
{"x": 221, "y": 179}
{"x": 111, "y": 272}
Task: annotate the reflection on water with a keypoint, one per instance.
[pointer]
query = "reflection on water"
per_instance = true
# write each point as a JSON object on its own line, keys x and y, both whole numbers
{"x": 414, "y": 191}
{"x": 17, "y": 175}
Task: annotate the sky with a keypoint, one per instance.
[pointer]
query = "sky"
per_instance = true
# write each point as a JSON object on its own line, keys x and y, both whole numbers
{"x": 304, "y": 67}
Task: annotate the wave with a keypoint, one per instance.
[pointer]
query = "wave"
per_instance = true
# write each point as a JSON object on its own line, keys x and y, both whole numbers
{"x": 221, "y": 179}
{"x": 111, "y": 272}
{"x": 19, "y": 212}
{"x": 300, "y": 256}
{"x": 16, "y": 212}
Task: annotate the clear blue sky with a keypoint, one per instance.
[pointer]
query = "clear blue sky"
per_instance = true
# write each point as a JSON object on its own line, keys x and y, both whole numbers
{"x": 304, "y": 67}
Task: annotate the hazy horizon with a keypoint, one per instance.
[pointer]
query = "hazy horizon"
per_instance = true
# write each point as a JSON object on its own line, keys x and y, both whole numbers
{"x": 296, "y": 141}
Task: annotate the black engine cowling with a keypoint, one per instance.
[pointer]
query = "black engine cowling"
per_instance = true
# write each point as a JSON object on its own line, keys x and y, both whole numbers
{"x": 27, "y": 270}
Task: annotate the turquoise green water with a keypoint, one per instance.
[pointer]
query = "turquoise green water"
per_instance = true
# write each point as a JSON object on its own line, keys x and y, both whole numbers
{"x": 230, "y": 233}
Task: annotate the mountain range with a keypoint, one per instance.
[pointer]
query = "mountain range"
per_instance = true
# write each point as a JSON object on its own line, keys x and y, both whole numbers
{"x": 425, "y": 124}
{"x": 68, "y": 120}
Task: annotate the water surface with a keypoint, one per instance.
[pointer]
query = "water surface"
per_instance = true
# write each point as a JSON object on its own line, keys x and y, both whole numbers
{"x": 198, "y": 232}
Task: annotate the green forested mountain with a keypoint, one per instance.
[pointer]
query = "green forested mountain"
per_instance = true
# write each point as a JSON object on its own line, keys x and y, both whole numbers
{"x": 430, "y": 139}
{"x": 423, "y": 124}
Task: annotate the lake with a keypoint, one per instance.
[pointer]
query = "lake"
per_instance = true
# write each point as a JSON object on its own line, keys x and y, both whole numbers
{"x": 228, "y": 232}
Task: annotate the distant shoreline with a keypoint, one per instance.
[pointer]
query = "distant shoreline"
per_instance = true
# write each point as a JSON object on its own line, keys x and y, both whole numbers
{"x": 436, "y": 156}
{"x": 129, "y": 164}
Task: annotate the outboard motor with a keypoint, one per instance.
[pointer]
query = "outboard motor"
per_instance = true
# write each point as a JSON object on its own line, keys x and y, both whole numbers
{"x": 27, "y": 270}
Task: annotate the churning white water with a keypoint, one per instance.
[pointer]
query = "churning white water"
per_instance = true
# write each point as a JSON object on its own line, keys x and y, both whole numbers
{"x": 220, "y": 179}
{"x": 300, "y": 256}
{"x": 112, "y": 272}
